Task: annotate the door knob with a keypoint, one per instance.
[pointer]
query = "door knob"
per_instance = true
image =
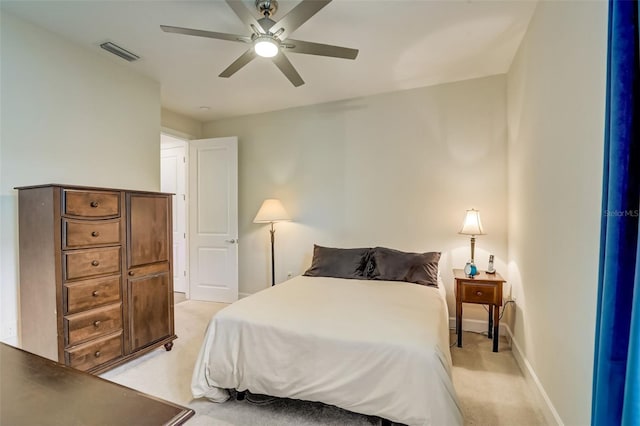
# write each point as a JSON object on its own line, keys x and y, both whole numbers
{"x": 232, "y": 241}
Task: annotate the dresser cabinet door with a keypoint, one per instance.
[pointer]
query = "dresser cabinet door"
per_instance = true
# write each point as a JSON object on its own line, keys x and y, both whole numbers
{"x": 149, "y": 302}
{"x": 149, "y": 273}
{"x": 148, "y": 233}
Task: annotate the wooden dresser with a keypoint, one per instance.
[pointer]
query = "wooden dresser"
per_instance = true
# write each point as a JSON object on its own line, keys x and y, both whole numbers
{"x": 96, "y": 281}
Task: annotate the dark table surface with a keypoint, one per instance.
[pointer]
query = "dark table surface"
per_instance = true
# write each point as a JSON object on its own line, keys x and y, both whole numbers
{"x": 37, "y": 391}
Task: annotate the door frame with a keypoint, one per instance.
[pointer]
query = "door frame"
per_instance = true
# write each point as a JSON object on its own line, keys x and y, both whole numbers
{"x": 185, "y": 139}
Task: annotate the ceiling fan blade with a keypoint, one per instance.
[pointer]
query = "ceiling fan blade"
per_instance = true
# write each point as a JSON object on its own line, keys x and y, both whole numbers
{"x": 297, "y": 16}
{"x": 309, "y": 48}
{"x": 245, "y": 16}
{"x": 208, "y": 34}
{"x": 287, "y": 69}
{"x": 243, "y": 60}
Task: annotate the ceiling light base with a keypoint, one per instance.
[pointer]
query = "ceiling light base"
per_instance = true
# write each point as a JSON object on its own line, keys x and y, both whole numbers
{"x": 267, "y": 7}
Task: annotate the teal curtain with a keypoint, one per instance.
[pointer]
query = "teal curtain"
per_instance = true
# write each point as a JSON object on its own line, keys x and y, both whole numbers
{"x": 616, "y": 380}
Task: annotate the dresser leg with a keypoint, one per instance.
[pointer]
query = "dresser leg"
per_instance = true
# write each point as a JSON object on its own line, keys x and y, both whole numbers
{"x": 168, "y": 346}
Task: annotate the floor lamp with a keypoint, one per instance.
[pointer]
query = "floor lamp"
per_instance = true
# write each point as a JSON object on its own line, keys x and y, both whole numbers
{"x": 272, "y": 211}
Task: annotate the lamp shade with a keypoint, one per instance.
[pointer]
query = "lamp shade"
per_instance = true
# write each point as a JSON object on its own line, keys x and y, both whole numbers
{"x": 472, "y": 224}
{"x": 271, "y": 210}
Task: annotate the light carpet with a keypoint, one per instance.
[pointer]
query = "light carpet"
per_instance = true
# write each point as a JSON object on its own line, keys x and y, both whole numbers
{"x": 490, "y": 385}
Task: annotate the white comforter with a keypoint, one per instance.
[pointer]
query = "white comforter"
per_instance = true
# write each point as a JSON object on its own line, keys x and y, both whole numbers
{"x": 373, "y": 347}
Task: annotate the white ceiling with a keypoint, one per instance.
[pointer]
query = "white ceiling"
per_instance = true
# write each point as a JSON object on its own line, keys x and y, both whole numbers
{"x": 403, "y": 44}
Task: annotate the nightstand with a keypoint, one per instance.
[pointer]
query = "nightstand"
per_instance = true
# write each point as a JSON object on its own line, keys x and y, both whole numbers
{"x": 483, "y": 289}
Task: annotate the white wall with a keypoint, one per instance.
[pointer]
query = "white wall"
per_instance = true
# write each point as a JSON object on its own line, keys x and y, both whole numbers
{"x": 68, "y": 116}
{"x": 397, "y": 170}
{"x": 556, "y": 89}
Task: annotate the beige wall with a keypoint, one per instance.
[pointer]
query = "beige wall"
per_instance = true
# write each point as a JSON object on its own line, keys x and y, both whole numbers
{"x": 68, "y": 116}
{"x": 176, "y": 124}
{"x": 397, "y": 170}
{"x": 556, "y": 89}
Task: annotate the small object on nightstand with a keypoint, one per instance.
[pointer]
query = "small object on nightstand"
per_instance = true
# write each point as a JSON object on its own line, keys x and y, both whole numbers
{"x": 467, "y": 269}
{"x": 474, "y": 270}
{"x": 470, "y": 269}
{"x": 490, "y": 268}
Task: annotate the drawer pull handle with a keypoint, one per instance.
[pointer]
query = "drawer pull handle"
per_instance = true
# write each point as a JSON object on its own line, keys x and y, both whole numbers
{"x": 96, "y": 323}
{"x": 94, "y": 204}
{"x": 97, "y": 354}
{"x": 95, "y": 263}
{"x": 131, "y": 273}
{"x": 478, "y": 293}
{"x": 95, "y": 293}
{"x": 95, "y": 234}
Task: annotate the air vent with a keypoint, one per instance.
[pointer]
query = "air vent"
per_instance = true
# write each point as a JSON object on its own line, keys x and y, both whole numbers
{"x": 119, "y": 51}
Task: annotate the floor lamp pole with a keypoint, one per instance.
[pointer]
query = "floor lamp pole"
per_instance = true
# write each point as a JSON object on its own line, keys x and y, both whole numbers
{"x": 273, "y": 263}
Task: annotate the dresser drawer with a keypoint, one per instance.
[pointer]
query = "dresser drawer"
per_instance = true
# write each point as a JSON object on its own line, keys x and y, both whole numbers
{"x": 84, "y": 233}
{"x": 93, "y": 204}
{"x": 83, "y": 357}
{"x": 480, "y": 293}
{"x": 91, "y": 324}
{"x": 93, "y": 293}
{"x": 88, "y": 263}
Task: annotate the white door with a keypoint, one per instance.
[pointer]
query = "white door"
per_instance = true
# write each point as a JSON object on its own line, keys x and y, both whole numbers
{"x": 173, "y": 179}
{"x": 213, "y": 219}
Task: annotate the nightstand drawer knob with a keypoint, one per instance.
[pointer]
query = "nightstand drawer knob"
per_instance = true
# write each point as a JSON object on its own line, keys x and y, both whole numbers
{"x": 95, "y": 293}
{"x": 96, "y": 323}
{"x": 97, "y": 354}
{"x": 95, "y": 263}
{"x": 95, "y": 234}
{"x": 478, "y": 293}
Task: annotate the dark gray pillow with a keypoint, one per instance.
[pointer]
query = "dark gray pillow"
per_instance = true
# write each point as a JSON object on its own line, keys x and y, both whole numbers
{"x": 394, "y": 265}
{"x": 338, "y": 262}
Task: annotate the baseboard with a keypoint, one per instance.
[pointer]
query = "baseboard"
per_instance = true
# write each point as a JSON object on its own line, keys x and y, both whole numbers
{"x": 243, "y": 295}
{"x": 9, "y": 333}
{"x": 548, "y": 410}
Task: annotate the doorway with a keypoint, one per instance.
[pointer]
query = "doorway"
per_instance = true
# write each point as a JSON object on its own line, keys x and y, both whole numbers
{"x": 205, "y": 215}
{"x": 173, "y": 172}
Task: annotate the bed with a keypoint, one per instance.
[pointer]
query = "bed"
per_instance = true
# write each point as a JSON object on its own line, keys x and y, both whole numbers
{"x": 373, "y": 347}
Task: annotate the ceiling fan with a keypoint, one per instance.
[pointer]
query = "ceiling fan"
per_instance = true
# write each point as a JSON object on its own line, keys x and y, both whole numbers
{"x": 270, "y": 39}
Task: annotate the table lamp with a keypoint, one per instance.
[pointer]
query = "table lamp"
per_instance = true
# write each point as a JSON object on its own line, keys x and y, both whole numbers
{"x": 472, "y": 226}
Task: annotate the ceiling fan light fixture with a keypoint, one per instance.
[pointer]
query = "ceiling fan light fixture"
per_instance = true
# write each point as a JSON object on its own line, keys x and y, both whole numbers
{"x": 266, "y": 47}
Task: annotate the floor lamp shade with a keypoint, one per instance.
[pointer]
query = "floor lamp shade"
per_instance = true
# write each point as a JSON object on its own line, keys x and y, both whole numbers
{"x": 272, "y": 211}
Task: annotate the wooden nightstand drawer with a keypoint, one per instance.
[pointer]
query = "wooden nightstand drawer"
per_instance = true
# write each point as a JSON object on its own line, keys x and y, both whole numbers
{"x": 480, "y": 293}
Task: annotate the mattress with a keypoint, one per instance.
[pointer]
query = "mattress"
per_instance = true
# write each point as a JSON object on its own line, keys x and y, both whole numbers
{"x": 373, "y": 347}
